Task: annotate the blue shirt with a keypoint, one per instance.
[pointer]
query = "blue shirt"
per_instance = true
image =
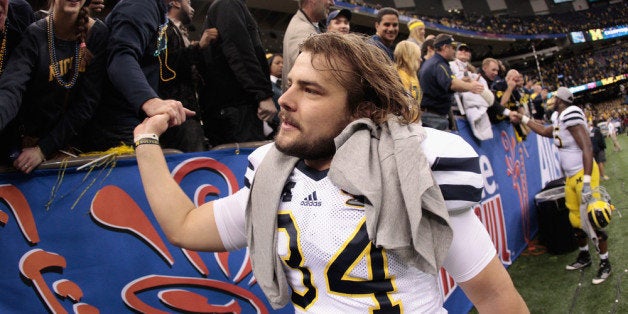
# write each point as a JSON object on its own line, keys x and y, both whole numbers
{"x": 377, "y": 41}
{"x": 435, "y": 78}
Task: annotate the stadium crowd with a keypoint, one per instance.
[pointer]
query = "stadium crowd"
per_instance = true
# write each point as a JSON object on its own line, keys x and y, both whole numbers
{"x": 595, "y": 17}
{"x": 581, "y": 68}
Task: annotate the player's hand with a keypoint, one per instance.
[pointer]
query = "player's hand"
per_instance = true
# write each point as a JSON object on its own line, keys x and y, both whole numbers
{"x": 586, "y": 193}
{"x": 173, "y": 108}
{"x": 156, "y": 124}
{"x": 514, "y": 116}
{"x": 266, "y": 110}
{"x": 29, "y": 159}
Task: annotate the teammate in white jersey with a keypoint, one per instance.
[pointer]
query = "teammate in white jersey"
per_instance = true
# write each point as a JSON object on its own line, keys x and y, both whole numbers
{"x": 571, "y": 136}
{"x": 326, "y": 256}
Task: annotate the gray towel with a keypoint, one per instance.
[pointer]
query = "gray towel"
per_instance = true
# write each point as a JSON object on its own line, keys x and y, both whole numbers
{"x": 406, "y": 211}
{"x": 261, "y": 225}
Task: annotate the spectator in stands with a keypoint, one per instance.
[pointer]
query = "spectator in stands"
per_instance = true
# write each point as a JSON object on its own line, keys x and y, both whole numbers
{"x": 496, "y": 112}
{"x": 473, "y": 105}
{"x": 339, "y": 21}
{"x": 345, "y": 89}
{"x": 462, "y": 60}
{"x": 571, "y": 136}
{"x": 427, "y": 50}
{"x": 180, "y": 78}
{"x": 507, "y": 93}
{"x": 408, "y": 61}
{"x": 15, "y": 17}
{"x": 303, "y": 24}
{"x": 238, "y": 94}
{"x": 136, "y": 51}
{"x": 598, "y": 143}
{"x": 386, "y": 31}
{"x": 525, "y": 93}
{"x": 52, "y": 101}
{"x": 438, "y": 85}
{"x": 275, "y": 62}
{"x": 417, "y": 32}
{"x": 538, "y": 99}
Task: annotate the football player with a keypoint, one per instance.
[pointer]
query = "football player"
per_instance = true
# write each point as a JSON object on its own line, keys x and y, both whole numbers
{"x": 326, "y": 208}
{"x": 571, "y": 136}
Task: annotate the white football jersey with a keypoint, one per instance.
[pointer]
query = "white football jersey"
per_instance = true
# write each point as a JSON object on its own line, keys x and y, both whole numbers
{"x": 329, "y": 261}
{"x": 568, "y": 150}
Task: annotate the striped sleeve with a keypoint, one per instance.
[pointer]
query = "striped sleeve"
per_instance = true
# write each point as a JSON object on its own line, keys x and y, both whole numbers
{"x": 572, "y": 116}
{"x": 255, "y": 159}
{"x": 456, "y": 168}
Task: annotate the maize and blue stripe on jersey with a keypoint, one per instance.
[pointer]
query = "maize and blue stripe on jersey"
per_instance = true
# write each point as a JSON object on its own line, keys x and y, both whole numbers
{"x": 572, "y": 116}
{"x": 456, "y": 169}
{"x": 255, "y": 159}
{"x": 247, "y": 183}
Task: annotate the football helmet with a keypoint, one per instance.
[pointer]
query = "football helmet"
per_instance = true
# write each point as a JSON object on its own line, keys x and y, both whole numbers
{"x": 599, "y": 208}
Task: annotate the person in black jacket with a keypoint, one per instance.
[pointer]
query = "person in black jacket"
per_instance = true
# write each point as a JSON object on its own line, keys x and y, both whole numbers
{"x": 136, "y": 54}
{"x": 180, "y": 78}
{"x": 599, "y": 148}
{"x": 496, "y": 112}
{"x": 52, "y": 83}
{"x": 15, "y": 16}
{"x": 238, "y": 93}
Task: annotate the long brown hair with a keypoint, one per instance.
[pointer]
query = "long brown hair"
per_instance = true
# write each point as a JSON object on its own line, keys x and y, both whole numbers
{"x": 82, "y": 23}
{"x": 374, "y": 89}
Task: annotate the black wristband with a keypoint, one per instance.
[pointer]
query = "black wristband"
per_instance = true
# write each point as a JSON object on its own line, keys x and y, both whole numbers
{"x": 145, "y": 140}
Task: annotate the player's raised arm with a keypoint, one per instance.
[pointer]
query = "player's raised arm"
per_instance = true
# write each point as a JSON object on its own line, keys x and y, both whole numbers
{"x": 184, "y": 224}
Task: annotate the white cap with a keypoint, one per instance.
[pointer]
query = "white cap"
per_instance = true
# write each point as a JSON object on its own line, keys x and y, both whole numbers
{"x": 564, "y": 94}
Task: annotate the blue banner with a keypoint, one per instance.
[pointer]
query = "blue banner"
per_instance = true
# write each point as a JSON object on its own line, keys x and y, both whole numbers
{"x": 86, "y": 241}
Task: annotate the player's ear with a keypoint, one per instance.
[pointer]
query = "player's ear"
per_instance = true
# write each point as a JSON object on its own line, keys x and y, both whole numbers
{"x": 364, "y": 110}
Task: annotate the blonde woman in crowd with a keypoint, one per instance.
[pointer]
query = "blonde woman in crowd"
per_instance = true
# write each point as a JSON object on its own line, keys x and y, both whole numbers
{"x": 408, "y": 60}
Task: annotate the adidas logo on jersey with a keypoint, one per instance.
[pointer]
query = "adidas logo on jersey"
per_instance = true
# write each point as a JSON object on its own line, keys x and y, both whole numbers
{"x": 311, "y": 200}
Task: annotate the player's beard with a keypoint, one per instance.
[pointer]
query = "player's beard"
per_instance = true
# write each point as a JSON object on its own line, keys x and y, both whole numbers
{"x": 312, "y": 147}
{"x": 315, "y": 149}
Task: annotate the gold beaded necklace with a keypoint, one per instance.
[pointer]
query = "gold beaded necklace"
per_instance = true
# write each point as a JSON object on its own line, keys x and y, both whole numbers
{"x": 54, "y": 63}
{"x": 162, "y": 45}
